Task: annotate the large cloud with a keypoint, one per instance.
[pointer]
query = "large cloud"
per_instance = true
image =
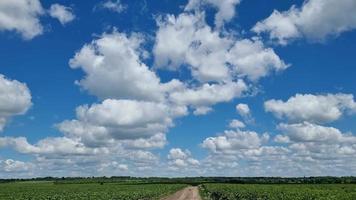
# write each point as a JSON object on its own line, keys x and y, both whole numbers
{"x": 308, "y": 132}
{"x": 307, "y": 148}
{"x": 312, "y": 108}
{"x": 21, "y": 16}
{"x": 121, "y": 120}
{"x": 15, "y": 99}
{"x": 113, "y": 69}
{"x": 210, "y": 55}
{"x": 315, "y": 20}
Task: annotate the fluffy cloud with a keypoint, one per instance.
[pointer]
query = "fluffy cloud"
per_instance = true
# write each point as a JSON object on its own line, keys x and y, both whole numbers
{"x": 15, "y": 99}
{"x": 253, "y": 60}
{"x": 114, "y": 69}
{"x": 323, "y": 149}
{"x": 232, "y": 141}
{"x": 15, "y": 166}
{"x": 208, "y": 94}
{"x": 178, "y": 154}
{"x": 181, "y": 159}
{"x": 312, "y": 108}
{"x": 308, "y": 149}
{"x": 180, "y": 40}
{"x": 210, "y": 55}
{"x": 315, "y": 20}
{"x": 62, "y": 13}
{"x": 21, "y": 16}
{"x": 226, "y": 9}
{"x": 243, "y": 110}
{"x": 308, "y": 132}
{"x": 121, "y": 120}
{"x": 236, "y": 124}
{"x": 49, "y": 146}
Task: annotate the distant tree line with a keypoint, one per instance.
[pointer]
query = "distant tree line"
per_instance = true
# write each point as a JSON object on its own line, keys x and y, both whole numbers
{"x": 192, "y": 180}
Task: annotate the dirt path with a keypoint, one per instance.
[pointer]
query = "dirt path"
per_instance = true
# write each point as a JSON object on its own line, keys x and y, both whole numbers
{"x": 188, "y": 193}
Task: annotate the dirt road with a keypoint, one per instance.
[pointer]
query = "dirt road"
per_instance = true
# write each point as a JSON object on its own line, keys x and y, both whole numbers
{"x": 188, "y": 193}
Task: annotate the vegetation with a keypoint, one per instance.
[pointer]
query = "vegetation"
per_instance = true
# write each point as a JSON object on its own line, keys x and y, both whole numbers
{"x": 211, "y": 188}
{"x": 278, "y": 191}
{"x": 89, "y": 191}
{"x": 193, "y": 180}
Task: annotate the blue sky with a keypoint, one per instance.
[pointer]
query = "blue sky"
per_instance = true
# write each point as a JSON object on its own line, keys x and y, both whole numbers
{"x": 151, "y": 87}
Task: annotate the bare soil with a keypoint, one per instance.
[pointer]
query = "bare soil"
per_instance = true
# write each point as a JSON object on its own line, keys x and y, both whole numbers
{"x": 188, "y": 193}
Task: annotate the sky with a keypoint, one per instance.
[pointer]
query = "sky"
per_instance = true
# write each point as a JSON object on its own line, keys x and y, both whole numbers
{"x": 177, "y": 88}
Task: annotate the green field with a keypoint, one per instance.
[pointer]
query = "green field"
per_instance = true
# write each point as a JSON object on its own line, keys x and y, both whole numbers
{"x": 91, "y": 191}
{"x": 152, "y": 189}
{"x": 278, "y": 191}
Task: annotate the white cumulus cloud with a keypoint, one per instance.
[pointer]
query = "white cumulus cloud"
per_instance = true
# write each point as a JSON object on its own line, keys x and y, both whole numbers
{"x": 308, "y": 132}
{"x": 21, "y": 16}
{"x": 15, "y": 99}
{"x": 113, "y": 69}
{"x": 180, "y": 159}
{"x": 209, "y": 54}
{"x": 315, "y": 20}
{"x": 62, "y": 13}
{"x": 312, "y": 108}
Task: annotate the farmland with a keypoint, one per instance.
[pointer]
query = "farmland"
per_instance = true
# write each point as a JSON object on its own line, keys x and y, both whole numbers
{"x": 278, "y": 191}
{"x": 210, "y": 188}
{"x": 88, "y": 191}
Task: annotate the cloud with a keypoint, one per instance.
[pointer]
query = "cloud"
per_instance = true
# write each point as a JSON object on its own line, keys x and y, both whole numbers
{"x": 232, "y": 141}
{"x": 181, "y": 159}
{"x": 21, "y": 16}
{"x": 209, "y": 54}
{"x": 312, "y": 108}
{"x": 243, "y": 110}
{"x": 114, "y": 119}
{"x": 15, "y": 99}
{"x": 15, "y": 166}
{"x": 252, "y": 60}
{"x": 178, "y": 40}
{"x": 316, "y": 20}
{"x": 113, "y": 69}
{"x": 62, "y": 13}
{"x": 307, "y": 149}
{"x": 178, "y": 153}
{"x": 49, "y": 146}
{"x": 236, "y": 124}
{"x": 115, "y": 6}
{"x": 203, "y": 110}
{"x": 226, "y": 9}
{"x": 308, "y": 132}
{"x": 208, "y": 94}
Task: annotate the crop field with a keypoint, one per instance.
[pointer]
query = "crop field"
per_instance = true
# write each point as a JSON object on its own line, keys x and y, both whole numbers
{"x": 91, "y": 191}
{"x": 278, "y": 191}
{"x": 158, "y": 189}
